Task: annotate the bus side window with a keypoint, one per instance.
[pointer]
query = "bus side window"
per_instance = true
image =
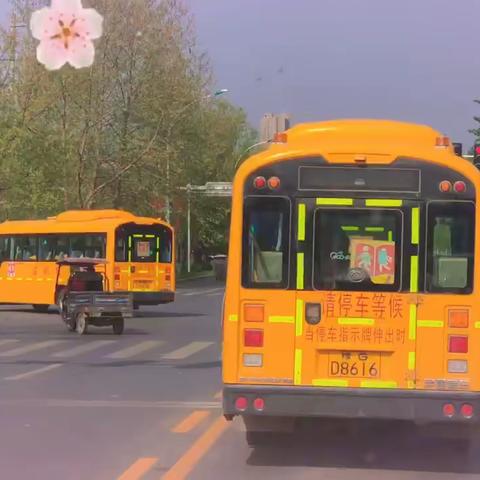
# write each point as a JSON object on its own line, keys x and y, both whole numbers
{"x": 266, "y": 242}
{"x": 450, "y": 247}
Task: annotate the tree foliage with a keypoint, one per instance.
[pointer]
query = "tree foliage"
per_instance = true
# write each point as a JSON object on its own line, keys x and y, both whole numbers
{"x": 127, "y": 132}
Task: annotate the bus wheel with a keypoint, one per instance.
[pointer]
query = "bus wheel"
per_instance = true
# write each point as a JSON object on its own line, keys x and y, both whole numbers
{"x": 81, "y": 323}
{"x": 40, "y": 308}
{"x": 118, "y": 325}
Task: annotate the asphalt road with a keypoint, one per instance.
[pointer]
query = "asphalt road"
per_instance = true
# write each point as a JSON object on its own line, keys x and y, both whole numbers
{"x": 147, "y": 405}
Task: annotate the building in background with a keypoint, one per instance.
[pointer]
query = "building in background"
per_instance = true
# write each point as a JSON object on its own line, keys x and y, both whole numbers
{"x": 272, "y": 124}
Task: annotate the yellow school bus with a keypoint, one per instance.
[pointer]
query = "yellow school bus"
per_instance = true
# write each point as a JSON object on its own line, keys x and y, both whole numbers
{"x": 139, "y": 253}
{"x": 352, "y": 287}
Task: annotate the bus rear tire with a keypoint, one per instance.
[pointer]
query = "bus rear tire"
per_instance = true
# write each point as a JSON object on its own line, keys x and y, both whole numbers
{"x": 118, "y": 326}
{"x": 40, "y": 308}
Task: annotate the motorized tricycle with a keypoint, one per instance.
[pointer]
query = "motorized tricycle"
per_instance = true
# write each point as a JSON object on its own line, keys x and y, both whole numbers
{"x": 86, "y": 300}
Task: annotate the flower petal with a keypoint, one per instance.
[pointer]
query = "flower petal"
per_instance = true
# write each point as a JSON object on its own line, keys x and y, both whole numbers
{"x": 40, "y": 22}
{"x": 91, "y": 23}
{"x": 52, "y": 54}
{"x": 81, "y": 53}
{"x": 67, "y": 6}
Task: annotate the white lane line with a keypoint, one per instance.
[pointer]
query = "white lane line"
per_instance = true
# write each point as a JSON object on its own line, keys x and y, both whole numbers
{"x": 218, "y": 294}
{"x": 187, "y": 350}
{"x": 80, "y": 349}
{"x": 32, "y": 373}
{"x": 203, "y": 292}
{"x": 30, "y": 348}
{"x": 7, "y": 341}
{"x": 135, "y": 349}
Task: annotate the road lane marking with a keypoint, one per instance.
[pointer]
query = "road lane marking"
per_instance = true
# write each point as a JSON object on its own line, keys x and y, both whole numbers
{"x": 138, "y": 469}
{"x": 187, "y": 350}
{"x": 197, "y": 451}
{"x": 32, "y": 373}
{"x": 74, "y": 403}
{"x": 217, "y": 294}
{"x": 191, "y": 421}
{"x": 78, "y": 350}
{"x": 135, "y": 349}
{"x": 203, "y": 292}
{"x": 30, "y": 348}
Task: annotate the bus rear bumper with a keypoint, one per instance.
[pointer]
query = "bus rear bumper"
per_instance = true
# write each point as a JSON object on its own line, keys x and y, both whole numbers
{"x": 418, "y": 406}
{"x": 153, "y": 298}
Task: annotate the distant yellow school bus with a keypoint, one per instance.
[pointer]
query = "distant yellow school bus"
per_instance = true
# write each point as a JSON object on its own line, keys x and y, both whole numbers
{"x": 139, "y": 253}
{"x": 352, "y": 286}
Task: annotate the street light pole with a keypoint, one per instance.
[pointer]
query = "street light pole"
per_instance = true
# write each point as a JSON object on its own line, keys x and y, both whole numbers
{"x": 189, "y": 231}
{"x": 217, "y": 93}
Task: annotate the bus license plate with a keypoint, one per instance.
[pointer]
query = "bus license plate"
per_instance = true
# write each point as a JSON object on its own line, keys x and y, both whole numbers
{"x": 354, "y": 364}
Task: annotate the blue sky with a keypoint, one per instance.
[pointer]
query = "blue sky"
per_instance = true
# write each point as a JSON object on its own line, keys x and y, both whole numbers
{"x": 414, "y": 60}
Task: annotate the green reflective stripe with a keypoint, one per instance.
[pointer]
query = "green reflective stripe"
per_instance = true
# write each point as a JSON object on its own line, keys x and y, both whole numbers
{"x": 233, "y": 317}
{"x": 373, "y": 202}
{"x": 477, "y": 324}
{"x": 378, "y": 384}
{"x": 299, "y": 319}
{"x": 329, "y": 382}
{"x": 430, "y": 323}
{"x": 150, "y": 236}
{"x": 415, "y": 226}
{"x": 138, "y": 236}
{"x": 129, "y": 249}
{"x": 298, "y": 366}
{"x": 350, "y": 228}
{"x": 412, "y": 326}
{"x": 300, "y": 272}
{"x": 374, "y": 229}
{"x": 301, "y": 222}
{"x": 414, "y": 274}
{"x": 130, "y": 242}
{"x": 390, "y": 236}
{"x": 411, "y": 360}
{"x": 355, "y": 321}
{"x": 335, "y": 201}
{"x": 158, "y": 249}
{"x": 281, "y": 319}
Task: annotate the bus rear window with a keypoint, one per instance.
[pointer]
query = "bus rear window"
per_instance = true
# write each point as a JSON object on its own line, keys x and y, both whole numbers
{"x": 450, "y": 247}
{"x": 266, "y": 242}
{"x": 357, "y": 250}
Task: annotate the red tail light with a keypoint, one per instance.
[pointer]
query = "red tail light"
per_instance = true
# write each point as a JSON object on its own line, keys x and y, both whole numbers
{"x": 259, "y": 404}
{"x": 460, "y": 187}
{"x": 253, "y": 338}
{"x": 466, "y": 410}
{"x": 168, "y": 273}
{"x": 117, "y": 276}
{"x": 458, "y": 344}
{"x": 449, "y": 410}
{"x": 241, "y": 404}
{"x": 259, "y": 183}
{"x": 77, "y": 285}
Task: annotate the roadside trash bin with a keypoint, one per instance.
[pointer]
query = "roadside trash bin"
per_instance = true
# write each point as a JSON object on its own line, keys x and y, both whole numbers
{"x": 219, "y": 264}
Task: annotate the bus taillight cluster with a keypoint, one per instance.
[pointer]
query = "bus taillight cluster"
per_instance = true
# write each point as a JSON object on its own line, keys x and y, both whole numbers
{"x": 458, "y": 187}
{"x": 260, "y": 183}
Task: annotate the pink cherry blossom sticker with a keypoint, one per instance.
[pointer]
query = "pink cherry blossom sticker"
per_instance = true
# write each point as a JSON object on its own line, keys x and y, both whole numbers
{"x": 66, "y": 30}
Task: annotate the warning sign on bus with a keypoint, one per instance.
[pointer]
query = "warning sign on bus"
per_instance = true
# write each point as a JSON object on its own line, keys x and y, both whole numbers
{"x": 375, "y": 257}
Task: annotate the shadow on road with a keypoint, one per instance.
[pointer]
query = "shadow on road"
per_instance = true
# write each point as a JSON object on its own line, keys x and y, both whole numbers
{"x": 372, "y": 446}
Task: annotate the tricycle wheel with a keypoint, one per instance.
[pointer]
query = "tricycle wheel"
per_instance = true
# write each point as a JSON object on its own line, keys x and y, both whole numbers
{"x": 82, "y": 323}
{"x": 71, "y": 327}
{"x": 118, "y": 325}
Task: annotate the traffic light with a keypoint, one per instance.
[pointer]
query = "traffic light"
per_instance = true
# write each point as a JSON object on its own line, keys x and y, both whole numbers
{"x": 476, "y": 153}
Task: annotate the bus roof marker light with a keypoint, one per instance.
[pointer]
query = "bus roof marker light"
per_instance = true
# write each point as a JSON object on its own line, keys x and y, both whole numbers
{"x": 460, "y": 187}
{"x": 260, "y": 183}
{"x": 280, "y": 137}
{"x": 442, "y": 142}
{"x": 445, "y": 186}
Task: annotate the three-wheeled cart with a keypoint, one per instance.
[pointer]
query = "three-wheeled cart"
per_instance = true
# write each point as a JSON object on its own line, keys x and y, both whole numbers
{"x": 86, "y": 300}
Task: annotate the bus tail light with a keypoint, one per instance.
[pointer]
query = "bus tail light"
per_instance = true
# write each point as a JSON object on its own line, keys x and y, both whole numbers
{"x": 273, "y": 183}
{"x": 254, "y": 313}
{"x": 168, "y": 273}
{"x": 252, "y": 360}
{"x": 313, "y": 313}
{"x": 460, "y": 187}
{"x": 445, "y": 186}
{"x": 458, "y": 344}
{"x": 259, "y": 183}
{"x": 458, "y": 318}
{"x": 457, "y": 366}
{"x": 253, "y": 338}
{"x": 259, "y": 404}
{"x": 449, "y": 410}
{"x": 467, "y": 410}
{"x": 117, "y": 276}
{"x": 241, "y": 404}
